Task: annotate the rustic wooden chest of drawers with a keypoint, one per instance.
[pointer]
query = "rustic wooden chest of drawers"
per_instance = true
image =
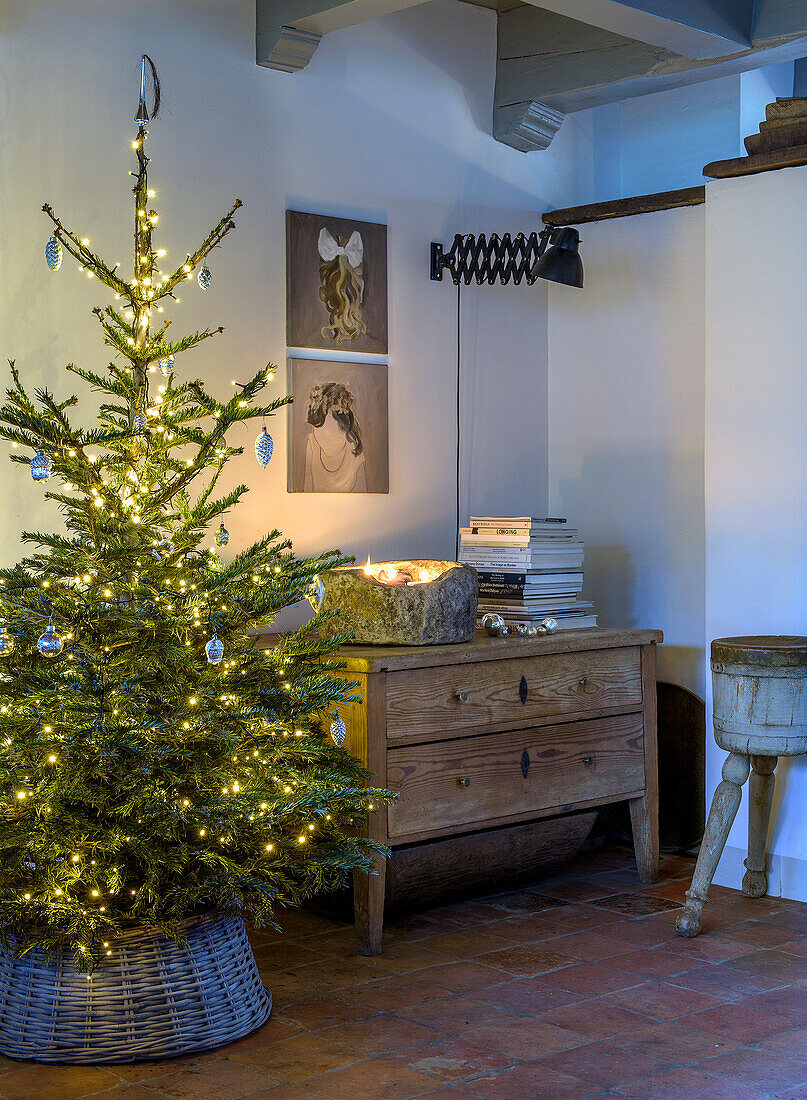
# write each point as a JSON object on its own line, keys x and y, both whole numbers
{"x": 501, "y": 731}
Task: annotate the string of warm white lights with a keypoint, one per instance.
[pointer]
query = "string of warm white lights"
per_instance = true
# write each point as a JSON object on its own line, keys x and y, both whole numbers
{"x": 154, "y": 762}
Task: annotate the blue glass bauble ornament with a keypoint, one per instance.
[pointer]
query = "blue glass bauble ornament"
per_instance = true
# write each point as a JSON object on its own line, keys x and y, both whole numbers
{"x": 162, "y": 549}
{"x": 53, "y": 254}
{"x": 316, "y": 593}
{"x": 41, "y": 466}
{"x": 50, "y": 644}
{"x": 204, "y": 278}
{"x": 222, "y": 536}
{"x": 264, "y": 447}
{"x": 7, "y": 642}
{"x": 214, "y": 650}
{"x": 338, "y": 729}
{"x": 166, "y": 365}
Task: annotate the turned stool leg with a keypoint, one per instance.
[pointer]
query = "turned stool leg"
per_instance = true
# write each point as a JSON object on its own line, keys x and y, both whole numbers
{"x": 760, "y": 798}
{"x": 725, "y": 804}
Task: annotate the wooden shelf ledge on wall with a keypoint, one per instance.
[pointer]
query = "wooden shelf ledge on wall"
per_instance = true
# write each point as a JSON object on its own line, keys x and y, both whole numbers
{"x": 625, "y": 208}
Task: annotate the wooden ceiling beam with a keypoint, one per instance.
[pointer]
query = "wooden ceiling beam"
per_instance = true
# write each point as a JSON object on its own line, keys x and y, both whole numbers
{"x": 548, "y": 63}
{"x": 287, "y": 32}
{"x": 777, "y": 19}
{"x": 695, "y": 28}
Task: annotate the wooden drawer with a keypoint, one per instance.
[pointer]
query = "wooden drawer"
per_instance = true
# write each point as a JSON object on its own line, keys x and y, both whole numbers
{"x": 449, "y": 700}
{"x": 499, "y": 777}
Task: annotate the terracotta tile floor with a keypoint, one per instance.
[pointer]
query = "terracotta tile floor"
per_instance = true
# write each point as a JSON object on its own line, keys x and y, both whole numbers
{"x": 574, "y": 987}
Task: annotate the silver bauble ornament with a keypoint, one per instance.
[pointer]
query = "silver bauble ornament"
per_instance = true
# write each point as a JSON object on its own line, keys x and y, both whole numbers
{"x": 222, "y": 536}
{"x": 166, "y": 365}
{"x": 53, "y": 254}
{"x": 214, "y": 650}
{"x": 204, "y": 278}
{"x": 521, "y": 630}
{"x": 264, "y": 447}
{"x": 7, "y": 642}
{"x": 338, "y": 729}
{"x": 551, "y": 625}
{"x": 316, "y": 593}
{"x": 41, "y": 466}
{"x": 493, "y": 624}
{"x": 532, "y": 631}
{"x": 139, "y": 423}
{"x": 50, "y": 644}
{"x": 162, "y": 549}
{"x": 505, "y": 631}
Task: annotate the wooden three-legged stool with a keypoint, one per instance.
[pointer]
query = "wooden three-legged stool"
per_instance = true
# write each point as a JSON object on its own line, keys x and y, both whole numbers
{"x": 760, "y": 713}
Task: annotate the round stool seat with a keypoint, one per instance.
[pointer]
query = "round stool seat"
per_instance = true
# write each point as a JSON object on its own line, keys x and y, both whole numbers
{"x": 760, "y": 694}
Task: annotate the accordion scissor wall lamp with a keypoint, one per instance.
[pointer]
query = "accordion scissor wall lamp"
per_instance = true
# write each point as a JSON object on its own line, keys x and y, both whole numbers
{"x": 552, "y": 254}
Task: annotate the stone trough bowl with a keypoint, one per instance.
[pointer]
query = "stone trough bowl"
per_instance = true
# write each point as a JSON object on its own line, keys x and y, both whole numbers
{"x": 438, "y": 608}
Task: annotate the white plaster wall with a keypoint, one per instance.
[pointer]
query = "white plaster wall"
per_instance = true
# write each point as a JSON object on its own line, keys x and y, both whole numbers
{"x": 390, "y": 121}
{"x": 756, "y": 457}
{"x": 626, "y": 427}
{"x": 669, "y": 136}
{"x": 661, "y": 142}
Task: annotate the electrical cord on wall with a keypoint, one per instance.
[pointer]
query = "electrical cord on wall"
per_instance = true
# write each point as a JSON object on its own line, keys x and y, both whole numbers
{"x": 459, "y": 411}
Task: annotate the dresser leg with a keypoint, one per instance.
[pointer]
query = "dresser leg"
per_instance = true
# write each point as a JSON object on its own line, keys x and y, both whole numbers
{"x": 644, "y": 821}
{"x": 724, "y": 808}
{"x": 368, "y": 907}
{"x": 760, "y": 798}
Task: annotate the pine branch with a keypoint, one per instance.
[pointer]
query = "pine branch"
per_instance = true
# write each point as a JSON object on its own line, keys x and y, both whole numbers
{"x": 213, "y": 239}
{"x": 85, "y": 256}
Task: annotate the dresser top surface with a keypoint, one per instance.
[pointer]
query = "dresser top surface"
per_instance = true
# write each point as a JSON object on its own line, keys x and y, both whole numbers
{"x": 363, "y": 658}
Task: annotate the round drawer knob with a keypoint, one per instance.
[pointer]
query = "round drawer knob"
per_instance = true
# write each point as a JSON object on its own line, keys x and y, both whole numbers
{"x": 464, "y": 781}
{"x": 583, "y": 682}
{"x": 462, "y": 696}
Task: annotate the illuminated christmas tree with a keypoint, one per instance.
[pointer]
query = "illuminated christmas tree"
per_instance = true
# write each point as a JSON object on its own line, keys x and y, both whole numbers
{"x": 154, "y": 764}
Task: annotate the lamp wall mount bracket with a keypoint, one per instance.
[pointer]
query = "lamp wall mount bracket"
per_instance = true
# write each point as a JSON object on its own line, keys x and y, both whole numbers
{"x": 488, "y": 259}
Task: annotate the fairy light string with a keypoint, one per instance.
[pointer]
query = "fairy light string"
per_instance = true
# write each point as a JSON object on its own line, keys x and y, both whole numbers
{"x": 138, "y": 781}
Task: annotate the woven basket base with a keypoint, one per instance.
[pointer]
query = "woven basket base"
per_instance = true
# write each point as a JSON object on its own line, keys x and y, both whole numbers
{"x": 147, "y": 1002}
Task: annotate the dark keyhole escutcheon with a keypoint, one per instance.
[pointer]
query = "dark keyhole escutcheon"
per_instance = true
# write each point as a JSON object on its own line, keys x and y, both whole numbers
{"x": 522, "y": 690}
{"x": 525, "y": 763}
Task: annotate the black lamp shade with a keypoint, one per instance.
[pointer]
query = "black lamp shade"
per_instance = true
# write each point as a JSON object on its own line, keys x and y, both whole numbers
{"x": 561, "y": 262}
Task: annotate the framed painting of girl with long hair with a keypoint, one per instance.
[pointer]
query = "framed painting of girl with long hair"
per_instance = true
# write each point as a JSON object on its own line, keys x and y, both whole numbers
{"x": 338, "y": 427}
{"x": 336, "y": 283}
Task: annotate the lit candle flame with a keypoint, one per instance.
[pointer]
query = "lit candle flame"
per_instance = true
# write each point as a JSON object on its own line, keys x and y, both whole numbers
{"x": 424, "y": 574}
{"x": 368, "y": 568}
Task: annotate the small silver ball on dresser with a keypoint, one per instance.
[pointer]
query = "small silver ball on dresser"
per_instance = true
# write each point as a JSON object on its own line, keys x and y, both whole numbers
{"x": 551, "y": 625}
{"x": 493, "y": 624}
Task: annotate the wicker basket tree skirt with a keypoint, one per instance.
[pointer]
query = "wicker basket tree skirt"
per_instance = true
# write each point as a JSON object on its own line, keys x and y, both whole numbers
{"x": 148, "y": 1000}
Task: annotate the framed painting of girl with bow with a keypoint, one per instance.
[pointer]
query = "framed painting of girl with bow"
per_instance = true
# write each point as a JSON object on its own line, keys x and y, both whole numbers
{"x": 336, "y": 283}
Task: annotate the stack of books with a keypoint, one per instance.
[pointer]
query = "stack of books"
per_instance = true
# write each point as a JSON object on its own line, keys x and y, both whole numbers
{"x": 529, "y": 569}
